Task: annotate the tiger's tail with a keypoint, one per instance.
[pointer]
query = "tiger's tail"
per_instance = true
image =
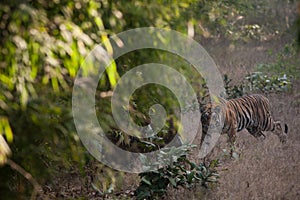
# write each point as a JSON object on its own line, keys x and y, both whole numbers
{"x": 286, "y": 128}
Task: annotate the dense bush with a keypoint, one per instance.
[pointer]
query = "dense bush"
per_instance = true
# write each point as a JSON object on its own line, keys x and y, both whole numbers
{"x": 182, "y": 173}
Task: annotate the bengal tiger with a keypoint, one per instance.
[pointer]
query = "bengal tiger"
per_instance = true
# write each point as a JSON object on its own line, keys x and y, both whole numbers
{"x": 250, "y": 112}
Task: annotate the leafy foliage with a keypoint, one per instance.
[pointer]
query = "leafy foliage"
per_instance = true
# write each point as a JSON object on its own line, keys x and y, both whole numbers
{"x": 233, "y": 91}
{"x": 286, "y": 62}
{"x": 221, "y": 18}
{"x": 5, "y": 150}
{"x": 182, "y": 172}
{"x": 42, "y": 46}
{"x": 258, "y": 82}
{"x": 265, "y": 83}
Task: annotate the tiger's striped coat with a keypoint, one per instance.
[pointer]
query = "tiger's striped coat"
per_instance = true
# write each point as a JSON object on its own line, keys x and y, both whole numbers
{"x": 250, "y": 112}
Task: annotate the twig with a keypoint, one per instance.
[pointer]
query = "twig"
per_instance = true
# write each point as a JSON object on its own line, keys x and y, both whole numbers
{"x": 36, "y": 186}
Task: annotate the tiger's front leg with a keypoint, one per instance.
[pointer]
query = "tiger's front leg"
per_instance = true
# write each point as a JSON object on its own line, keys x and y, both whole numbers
{"x": 256, "y": 132}
{"x": 282, "y": 134}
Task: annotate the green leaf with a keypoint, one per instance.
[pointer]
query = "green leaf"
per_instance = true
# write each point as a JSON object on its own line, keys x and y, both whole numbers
{"x": 6, "y": 129}
{"x": 146, "y": 181}
{"x": 172, "y": 181}
{"x": 190, "y": 176}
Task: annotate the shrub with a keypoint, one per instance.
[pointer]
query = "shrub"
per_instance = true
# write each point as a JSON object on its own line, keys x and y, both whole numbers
{"x": 182, "y": 172}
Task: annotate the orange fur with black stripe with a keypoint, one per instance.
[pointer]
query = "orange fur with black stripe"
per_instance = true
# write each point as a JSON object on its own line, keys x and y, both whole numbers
{"x": 250, "y": 112}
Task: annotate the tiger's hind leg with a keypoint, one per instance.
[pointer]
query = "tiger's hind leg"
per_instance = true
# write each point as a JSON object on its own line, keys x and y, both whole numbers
{"x": 232, "y": 139}
{"x": 282, "y": 134}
